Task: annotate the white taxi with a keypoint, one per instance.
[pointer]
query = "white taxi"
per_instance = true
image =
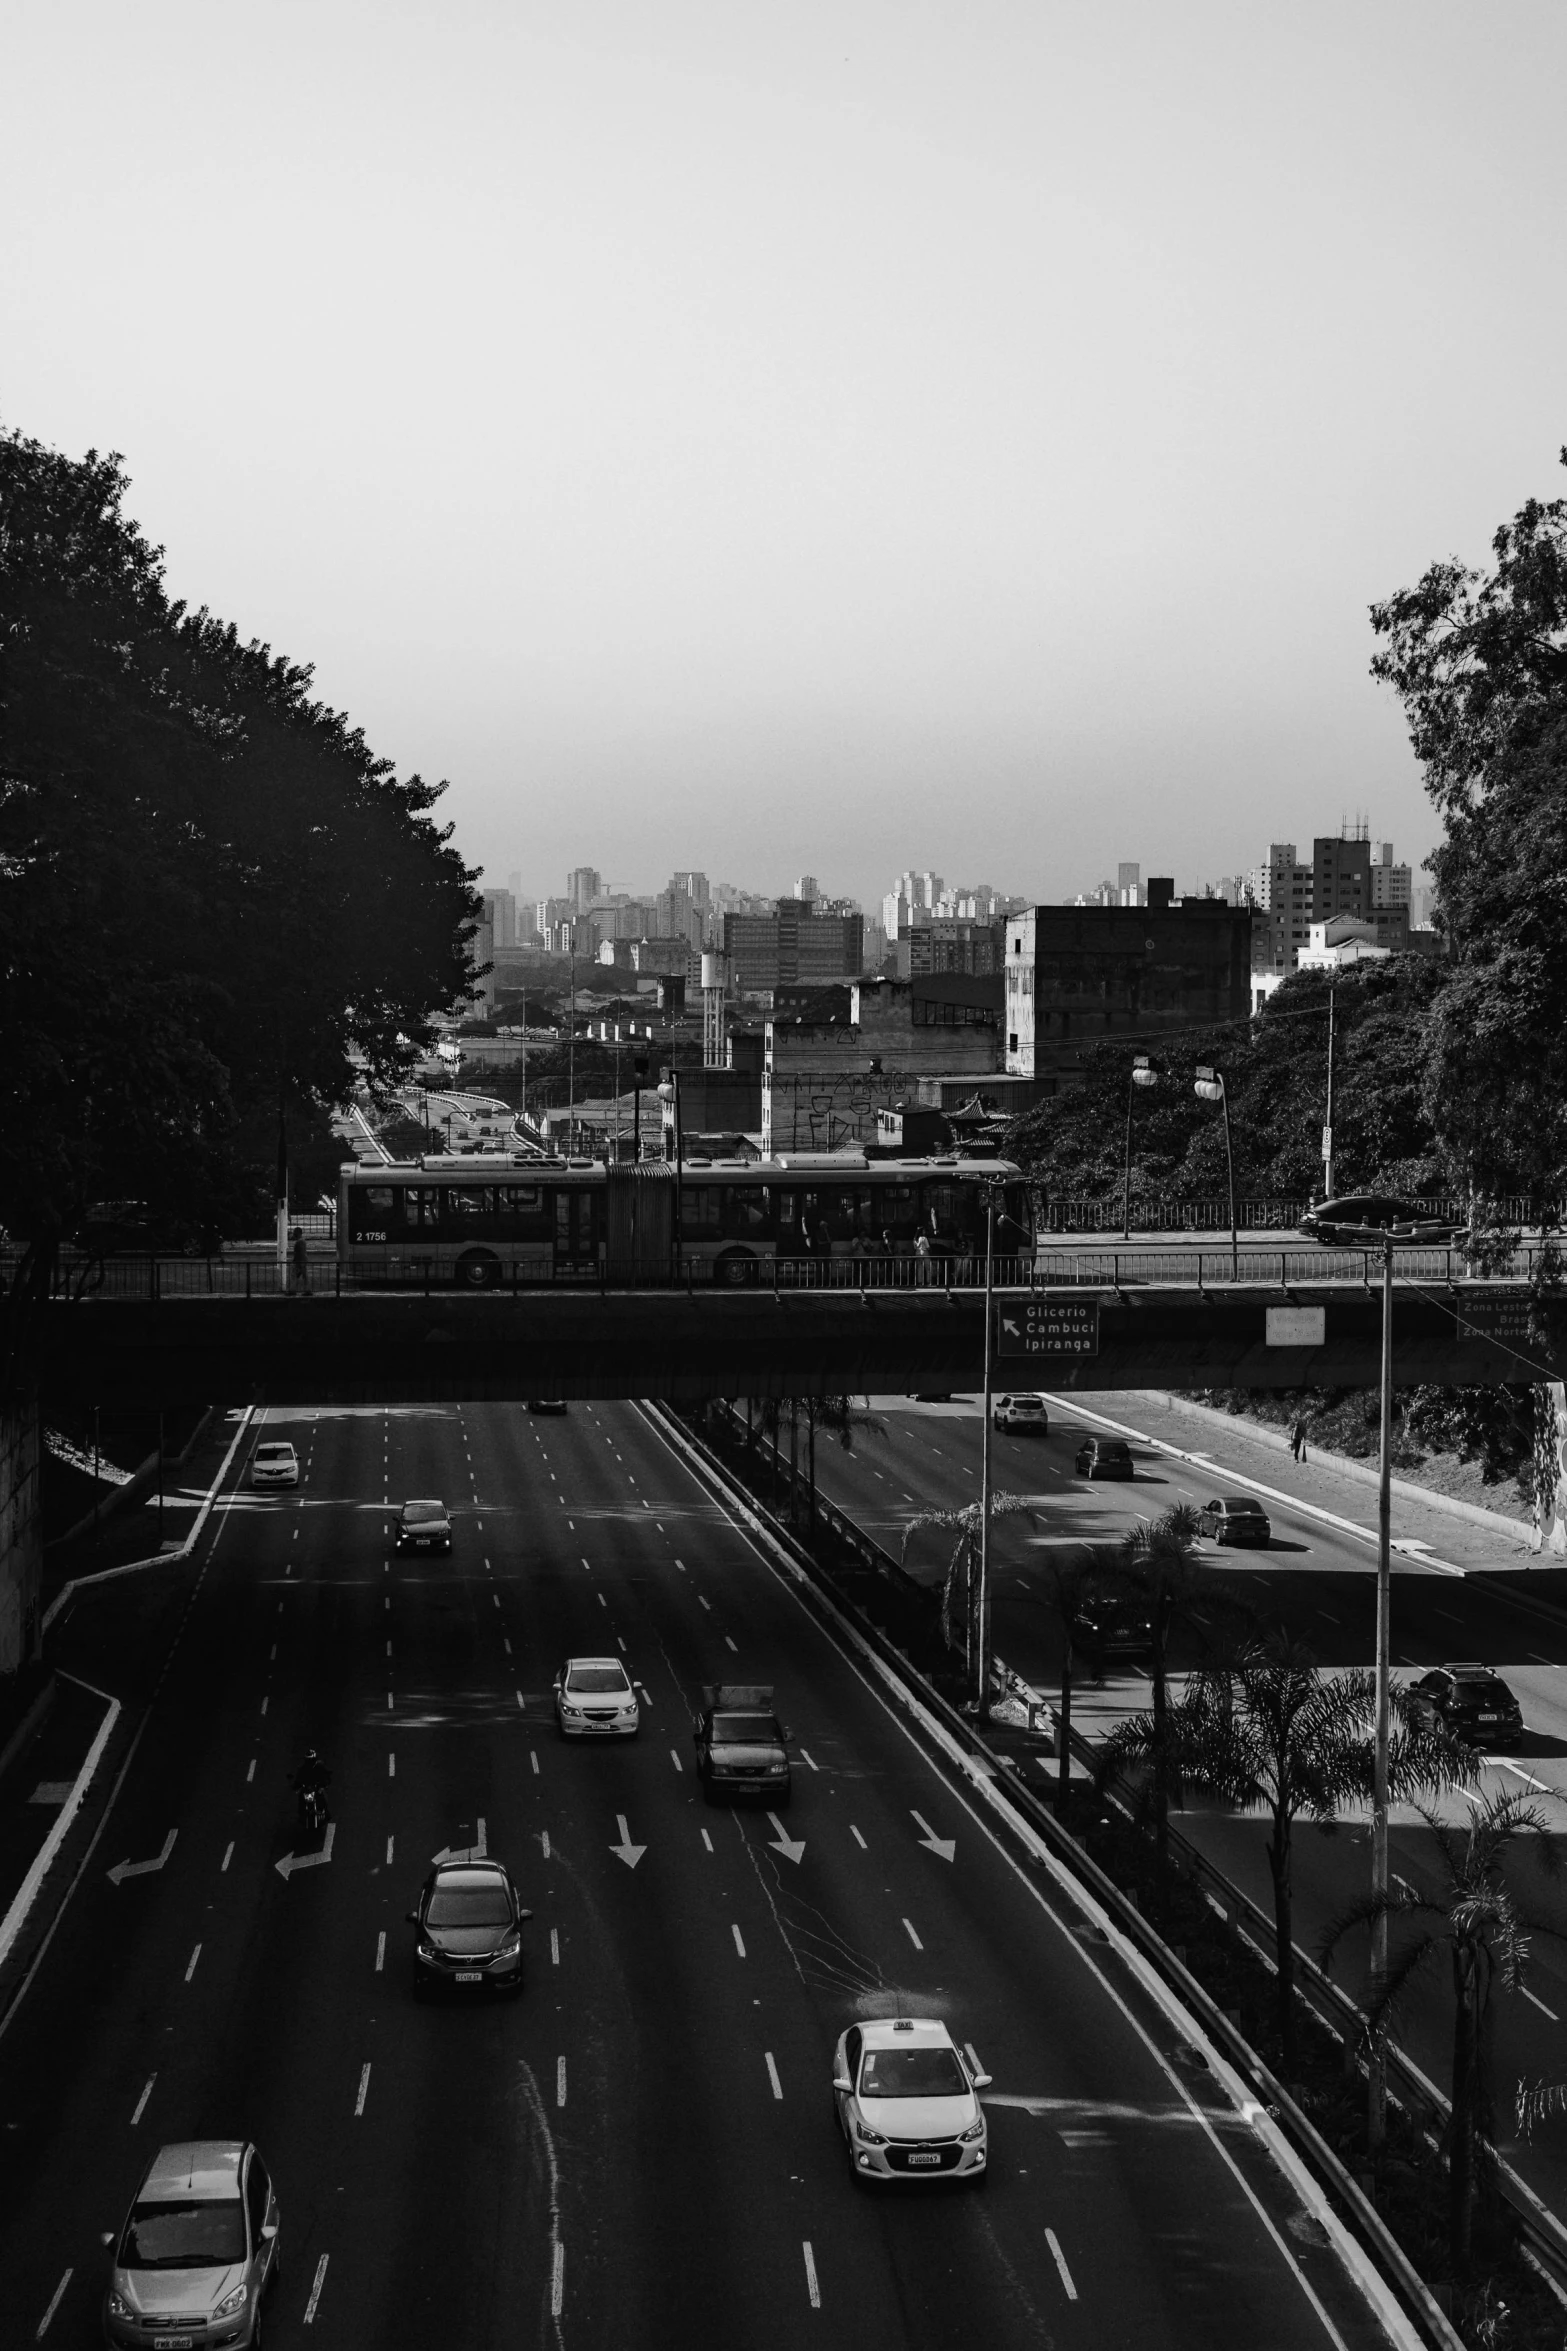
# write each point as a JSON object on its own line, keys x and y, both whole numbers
{"x": 274, "y": 1464}
{"x": 908, "y": 2102}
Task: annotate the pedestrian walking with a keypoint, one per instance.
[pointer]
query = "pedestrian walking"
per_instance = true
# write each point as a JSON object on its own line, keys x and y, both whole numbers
{"x": 299, "y": 1259}
{"x": 1298, "y": 1437}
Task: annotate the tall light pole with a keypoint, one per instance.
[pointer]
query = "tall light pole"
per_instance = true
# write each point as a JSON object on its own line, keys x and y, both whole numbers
{"x": 1141, "y": 1075}
{"x": 984, "y": 1458}
{"x": 1376, "y": 2103}
{"x": 1327, "y": 1130}
{"x": 1211, "y": 1087}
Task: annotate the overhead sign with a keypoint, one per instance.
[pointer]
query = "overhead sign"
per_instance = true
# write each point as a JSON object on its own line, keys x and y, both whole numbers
{"x": 1048, "y": 1326}
{"x": 1297, "y": 1326}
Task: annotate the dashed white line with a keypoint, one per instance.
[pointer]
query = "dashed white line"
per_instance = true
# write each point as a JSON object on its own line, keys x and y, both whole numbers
{"x": 702, "y": 1602}
{"x": 558, "y": 2282}
{"x": 858, "y": 1839}
{"x": 389, "y": 1852}
{"x": 544, "y": 1839}
{"x": 739, "y": 1940}
{"x": 913, "y": 1937}
{"x": 772, "y": 2074}
{"x": 315, "y": 2290}
{"x": 1540, "y": 2004}
{"x": 391, "y": 1767}
{"x": 265, "y": 1703}
{"x": 811, "y": 2286}
{"x": 1066, "y": 2275}
{"x": 728, "y": 1644}
{"x": 57, "y": 2298}
{"x": 707, "y": 1840}
{"x": 141, "y": 2103}
{"x": 554, "y": 1946}
{"x": 380, "y": 1952}
{"x": 806, "y": 1757}
{"x": 228, "y": 1855}
{"x": 523, "y": 1703}
{"x": 191, "y": 1968}
{"x": 560, "y": 2081}
{"x": 533, "y": 1758}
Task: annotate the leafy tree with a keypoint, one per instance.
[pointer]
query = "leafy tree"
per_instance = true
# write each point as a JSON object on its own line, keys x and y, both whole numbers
{"x": 960, "y": 1591}
{"x": 842, "y": 1419}
{"x": 1269, "y": 1728}
{"x": 1072, "y": 1581}
{"x": 1158, "y": 1559}
{"x": 1479, "y": 661}
{"x": 216, "y": 901}
{"x": 1475, "y": 1924}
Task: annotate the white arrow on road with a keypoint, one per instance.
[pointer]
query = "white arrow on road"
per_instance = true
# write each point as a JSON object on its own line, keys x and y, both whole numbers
{"x": 787, "y": 1846}
{"x": 627, "y": 1852}
{"x": 292, "y": 1861}
{"x": 141, "y": 1869}
{"x": 945, "y": 1846}
{"x": 475, "y": 1852}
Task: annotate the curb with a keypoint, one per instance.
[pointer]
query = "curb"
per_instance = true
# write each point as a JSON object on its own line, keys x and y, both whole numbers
{"x": 137, "y": 1484}
{"x": 183, "y": 1550}
{"x": 1414, "y": 2319}
{"x": 43, "y": 1861}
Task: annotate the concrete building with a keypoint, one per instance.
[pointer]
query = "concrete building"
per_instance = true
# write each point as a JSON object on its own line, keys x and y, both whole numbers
{"x": 583, "y": 886}
{"x": 794, "y": 946}
{"x": 1391, "y": 885}
{"x": 1341, "y": 940}
{"x": 1340, "y": 875}
{"x": 1077, "y": 976}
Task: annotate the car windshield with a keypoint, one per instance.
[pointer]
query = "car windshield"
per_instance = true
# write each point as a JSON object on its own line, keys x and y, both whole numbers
{"x": 274, "y": 1452}
{"x": 597, "y": 1681}
{"x": 417, "y": 1512}
{"x": 745, "y": 1730}
{"x": 911, "y": 2073}
{"x": 205, "y": 2234}
{"x": 469, "y": 1904}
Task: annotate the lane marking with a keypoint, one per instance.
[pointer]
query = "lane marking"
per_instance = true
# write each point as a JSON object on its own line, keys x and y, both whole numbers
{"x": 707, "y": 1840}
{"x": 675, "y": 1760}
{"x": 772, "y": 2074}
{"x": 315, "y": 2290}
{"x": 811, "y": 2287}
{"x": 523, "y": 1703}
{"x": 388, "y": 1852}
{"x": 807, "y": 1757}
{"x": 265, "y": 1703}
{"x": 560, "y": 2081}
{"x": 858, "y": 1839}
{"x": 730, "y": 1645}
{"x": 913, "y": 1937}
{"x": 533, "y": 1758}
{"x": 364, "y": 2085}
{"x": 554, "y": 1947}
{"x": 1540, "y": 2004}
{"x": 739, "y": 1940}
{"x": 59, "y": 2292}
{"x": 558, "y": 2281}
{"x": 228, "y": 1855}
{"x": 141, "y": 2103}
{"x": 380, "y": 1951}
{"x": 391, "y": 1767}
{"x": 191, "y": 1969}
{"x": 544, "y": 1839}
{"x": 1066, "y": 2275}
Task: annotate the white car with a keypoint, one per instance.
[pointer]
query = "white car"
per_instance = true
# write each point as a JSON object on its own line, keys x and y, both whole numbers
{"x": 908, "y": 2102}
{"x": 274, "y": 1464}
{"x": 595, "y": 1697}
{"x": 1020, "y": 1412}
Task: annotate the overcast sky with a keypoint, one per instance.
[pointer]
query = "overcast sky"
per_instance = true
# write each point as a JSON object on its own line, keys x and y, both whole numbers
{"x": 813, "y": 437}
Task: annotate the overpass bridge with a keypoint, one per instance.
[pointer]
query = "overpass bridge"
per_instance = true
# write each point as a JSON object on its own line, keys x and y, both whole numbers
{"x": 339, "y": 1345}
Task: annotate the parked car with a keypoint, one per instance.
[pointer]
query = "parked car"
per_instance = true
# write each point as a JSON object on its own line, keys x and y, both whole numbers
{"x": 596, "y": 1697}
{"x": 468, "y": 1930}
{"x": 198, "y": 2250}
{"x": 1020, "y": 1412}
{"x": 1235, "y": 1518}
{"x": 1328, "y": 1220}
{"x": 908, "y": 2102}
{"x": 274, "y": 1464}
{"x": 424, "y": 1526}
{"x": 741, "y": 1746}
{"x": 1105, "y": 1457}
{"x": 1471, "y": 1701}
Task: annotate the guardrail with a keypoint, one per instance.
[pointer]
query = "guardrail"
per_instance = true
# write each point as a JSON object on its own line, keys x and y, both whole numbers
{"x": 152, "y": 1278}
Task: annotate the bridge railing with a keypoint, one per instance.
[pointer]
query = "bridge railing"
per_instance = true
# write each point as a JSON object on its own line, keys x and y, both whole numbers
{"x": 1130, "y": 1266}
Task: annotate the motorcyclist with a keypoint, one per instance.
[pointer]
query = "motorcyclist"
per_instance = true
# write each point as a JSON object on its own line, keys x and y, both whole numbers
{"x": 309, "y": 1782}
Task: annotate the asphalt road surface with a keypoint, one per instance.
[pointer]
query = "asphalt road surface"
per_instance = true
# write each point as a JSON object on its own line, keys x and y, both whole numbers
{"x": 641, "y": 2150}
{"x": 1321, "y": 1579}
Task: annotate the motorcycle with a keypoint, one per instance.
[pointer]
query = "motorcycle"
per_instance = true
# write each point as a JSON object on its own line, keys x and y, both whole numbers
{"x": 313, "y": 1813}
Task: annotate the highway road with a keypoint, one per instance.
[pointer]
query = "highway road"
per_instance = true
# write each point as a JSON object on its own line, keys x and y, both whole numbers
{"x": 1318, "y": 1577}
{"x": 641, "y": 2149}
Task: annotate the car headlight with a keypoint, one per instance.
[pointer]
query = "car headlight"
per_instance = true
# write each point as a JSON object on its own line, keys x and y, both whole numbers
{"x": 427, "y": 1949}
{"x": 976, "y": 2130}
{"x": 231, "y": 2302}
{"x": 117, "y": 2306}
{"x": 574, "y": 1711}
{"x": 511, "y": 1948}
{"x": 866, "y": 2135}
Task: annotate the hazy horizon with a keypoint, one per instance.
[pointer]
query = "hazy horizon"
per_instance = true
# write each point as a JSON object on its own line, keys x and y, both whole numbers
{"x": 873, "y": 437}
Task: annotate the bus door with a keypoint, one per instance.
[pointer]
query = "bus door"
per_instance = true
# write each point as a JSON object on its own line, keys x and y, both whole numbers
{"x": 575, "y": 1238}
{"x": 639, "y": 1207}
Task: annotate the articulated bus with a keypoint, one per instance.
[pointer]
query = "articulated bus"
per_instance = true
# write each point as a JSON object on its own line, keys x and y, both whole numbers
{"x": 807, "y": 1219}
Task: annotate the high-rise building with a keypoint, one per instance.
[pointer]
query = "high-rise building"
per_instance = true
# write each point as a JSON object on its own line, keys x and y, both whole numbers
{"x": 1391, "y": 885}
{"x": 1083, "y": 975}
{"x": 807, "y": 889}
{"x": 794, "y": 945}
{"x": 582, "y": 887}
{"x": 1128, "y": 884}
{"x": 1340, "y": 875}
{"x": 500, "y": 912}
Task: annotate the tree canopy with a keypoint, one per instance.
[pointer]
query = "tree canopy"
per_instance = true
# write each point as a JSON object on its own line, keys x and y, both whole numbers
{"x": 216, "y": 902}
{"x": 1479, "y": 661}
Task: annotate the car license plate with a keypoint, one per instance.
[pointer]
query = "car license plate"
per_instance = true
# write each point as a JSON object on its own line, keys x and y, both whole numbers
{"x": 170, "y": 2343}
{"x": 468, "y": 1975}
{"x": 913, "y": 2159}
{"x": 1490, "y": 1718}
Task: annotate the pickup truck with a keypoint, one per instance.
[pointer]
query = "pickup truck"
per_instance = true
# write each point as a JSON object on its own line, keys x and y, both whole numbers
{"x": 740, "y": 1743}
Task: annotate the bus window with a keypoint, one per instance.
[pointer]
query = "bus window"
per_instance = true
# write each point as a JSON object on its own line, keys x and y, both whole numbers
{"x": 525, "y": 1211}
{"x": 834, "y": 1210}
{"x": 699, "y": 1211}
{"x": 421, "y": 1204}
{"x": 899, "y": 1207}
{"x": 374, "y": 1211}
{"x": 465, "y": 1207}
{"x": 747, "y": 1210}
{"x": 1019, "y": 1208}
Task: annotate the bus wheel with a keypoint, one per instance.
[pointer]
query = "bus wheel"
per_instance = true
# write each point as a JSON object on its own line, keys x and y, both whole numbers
{"x": 478, "y": 1270}
{"x": 736, "y": 1270}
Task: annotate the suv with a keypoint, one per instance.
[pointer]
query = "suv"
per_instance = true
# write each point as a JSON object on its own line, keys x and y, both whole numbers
{"x": 274, "y": 1464}
{"x": 198, "y": 2250}
{"x": 908, "y": 2102}
{"x": 1235, "y": 1518}
{"x": 1328, "y": 1220}
{"x": 1104, "y": 1457}
{"x": 1471, "y": 1702}
{"x": 741, "y": 1745}
{"x": 424, "y": 1526}
{"x": 1020, "y": 1412}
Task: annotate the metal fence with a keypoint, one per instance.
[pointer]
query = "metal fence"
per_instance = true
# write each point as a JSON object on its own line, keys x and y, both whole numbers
{"x": 1156, "y": 1213}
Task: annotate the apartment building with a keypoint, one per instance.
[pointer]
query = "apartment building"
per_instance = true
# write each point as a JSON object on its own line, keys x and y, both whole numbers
{"x": 1083, "y": 975}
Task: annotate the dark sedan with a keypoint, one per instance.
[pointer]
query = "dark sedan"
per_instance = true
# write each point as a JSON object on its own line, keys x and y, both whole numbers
{"x": 424, "y": 1526}
{"x": 1235, "y": 1518}
{"x": 1331, "y": 1220}
{"x": 1471, "y": 1702}
{"x": 1105, "y": 1457}
{"x": 468, "y": 1926}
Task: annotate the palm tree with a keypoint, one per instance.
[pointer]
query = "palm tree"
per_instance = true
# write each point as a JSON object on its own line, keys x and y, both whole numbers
{"x": 1159, "y": 1559}
{"x": 1269, "y": 1728}
{"x": 1474, "y": 1922}
{"x": 840, "y": 1416}
{"x": 958, "y": 1592}
{"x": 1072, "y": 1580}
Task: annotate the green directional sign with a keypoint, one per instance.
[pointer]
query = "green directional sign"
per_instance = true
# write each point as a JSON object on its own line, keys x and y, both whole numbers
{"x": 1047, "y": 1326}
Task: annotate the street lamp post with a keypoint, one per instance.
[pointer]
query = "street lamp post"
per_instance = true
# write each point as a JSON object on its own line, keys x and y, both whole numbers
{"x": 1376, "y": 2103}
{"x": 1327, "y": 1128}
{"x": 1141, "y": 1075}
{"x": 1211, "y": 1087}
{"x": 984, "y": 1460}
